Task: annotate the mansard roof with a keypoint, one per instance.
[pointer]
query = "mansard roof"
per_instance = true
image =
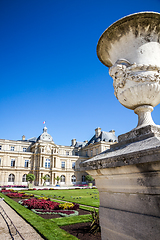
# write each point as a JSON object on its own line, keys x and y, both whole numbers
{"x": 104, "y": 136}
{"x": 33, "y": 139}
{"x": 80, "y": 144}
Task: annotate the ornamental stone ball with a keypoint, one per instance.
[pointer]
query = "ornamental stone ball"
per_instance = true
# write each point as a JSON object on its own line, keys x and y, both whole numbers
{"x": 130, "y": 48}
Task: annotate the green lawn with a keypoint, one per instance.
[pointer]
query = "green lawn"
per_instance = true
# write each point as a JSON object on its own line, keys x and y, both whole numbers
{"x": 89, "y": 197}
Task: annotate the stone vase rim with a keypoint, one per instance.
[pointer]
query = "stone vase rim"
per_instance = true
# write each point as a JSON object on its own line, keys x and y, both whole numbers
{"x": 116, "y": 30}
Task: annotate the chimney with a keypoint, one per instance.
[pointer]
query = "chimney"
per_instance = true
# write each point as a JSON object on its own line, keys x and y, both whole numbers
{"x": 112, "y": 131}
{"x": 97, "y": 132}
{"x": 23, "y": 137}
{"x": 73, "y": 142}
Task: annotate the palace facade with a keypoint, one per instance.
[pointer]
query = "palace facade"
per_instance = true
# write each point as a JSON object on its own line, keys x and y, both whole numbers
{"x": 42, "y": 157}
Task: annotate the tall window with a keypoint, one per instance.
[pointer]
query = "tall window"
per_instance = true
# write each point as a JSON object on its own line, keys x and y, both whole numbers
{"x": 12, "y": 162}
{"x": 12, "y": 148}
{"x": 62, "y": 178}
{"x": 24, "y": 178}
{"x": 83, "y": 178}
{"x": 24, "y": 149}
{"x": 91, "y": 153}
{"x": 96, "y": 151}
{"x": 0, "y": 147}
{"x": 0, "y": 161}
{"x": 63, "y": 165}
{"x": 73, "y": 179}
{"x": 67, "y": 153}
{"x": 73, "y": 165}
{"x": 47, "y": 163}
{"x": 26, "y": 164}
{"x": 11, "y": 177}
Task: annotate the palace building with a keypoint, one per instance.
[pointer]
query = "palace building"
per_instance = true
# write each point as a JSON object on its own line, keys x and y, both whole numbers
{"x": 42, "y": 157}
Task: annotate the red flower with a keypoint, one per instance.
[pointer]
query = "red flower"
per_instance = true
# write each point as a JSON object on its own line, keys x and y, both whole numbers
{"x": 40, "y": 204}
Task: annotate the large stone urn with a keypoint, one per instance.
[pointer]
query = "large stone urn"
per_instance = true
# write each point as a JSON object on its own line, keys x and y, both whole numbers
{"x": 131, "y": 49}
{"x": 128, "y": 174}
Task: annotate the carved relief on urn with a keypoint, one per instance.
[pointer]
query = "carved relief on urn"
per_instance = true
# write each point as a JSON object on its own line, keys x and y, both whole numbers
{"x": 130, "y": 47}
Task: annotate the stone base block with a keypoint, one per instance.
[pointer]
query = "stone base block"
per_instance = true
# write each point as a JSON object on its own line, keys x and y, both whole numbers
{"x": 124, "y": 225}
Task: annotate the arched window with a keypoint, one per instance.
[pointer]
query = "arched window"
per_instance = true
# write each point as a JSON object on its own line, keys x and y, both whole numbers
{"x": 47, "y": 163}
{"x": 11, "y": 177}
{"x": 83, "y": 178}
{"x": 48, "y": 178}
{"x": 24, "y": 178}
{"x": 73, "y": 179}
{"x": 62, "y": 179}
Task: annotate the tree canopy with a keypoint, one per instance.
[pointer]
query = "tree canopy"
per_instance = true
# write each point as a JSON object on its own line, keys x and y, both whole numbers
{"x": 30, "y": 177}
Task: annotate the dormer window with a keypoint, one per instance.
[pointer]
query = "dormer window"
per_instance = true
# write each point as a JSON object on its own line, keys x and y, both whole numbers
{"x": 0, "y": 147}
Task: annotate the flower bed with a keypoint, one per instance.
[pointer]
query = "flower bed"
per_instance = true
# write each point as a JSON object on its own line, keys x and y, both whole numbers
{"x": 63, "y": 213}
{"x": 14, "y": 194}
{"x": 5, "y": 191}
{"x": 39, "y": 204}
{"x": 15, "y": 186}
{"x": 42, "y": 206}
{"x": 18, "y": 195}
{"x": 70, "y": 206}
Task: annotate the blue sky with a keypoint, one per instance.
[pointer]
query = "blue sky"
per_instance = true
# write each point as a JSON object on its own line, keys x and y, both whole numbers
{"x": 50, "y": 72}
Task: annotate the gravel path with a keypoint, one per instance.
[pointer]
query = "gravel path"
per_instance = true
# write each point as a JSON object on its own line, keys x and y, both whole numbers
{"x": 9, "y": 225}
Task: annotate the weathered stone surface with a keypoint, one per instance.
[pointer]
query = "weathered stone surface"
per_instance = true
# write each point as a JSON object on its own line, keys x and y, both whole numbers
{"x": 125, "y": 225}
{"x": 140, "y": 134}
{"x": 147, "y": 150}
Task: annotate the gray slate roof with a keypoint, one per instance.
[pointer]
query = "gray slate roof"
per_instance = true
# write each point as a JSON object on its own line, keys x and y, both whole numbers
{"x": 104, "y": 136}
{"x": 80, "y": 144}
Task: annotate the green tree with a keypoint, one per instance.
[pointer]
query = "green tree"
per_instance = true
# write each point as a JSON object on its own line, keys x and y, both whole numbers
{"x": 89, "y": 178}
{"x": 58, "y": 179}
{"x": 45, "y": 178}
{"x": 30, "y": 177}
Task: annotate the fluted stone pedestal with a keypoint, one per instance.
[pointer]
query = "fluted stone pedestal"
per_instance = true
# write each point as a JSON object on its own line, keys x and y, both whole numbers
{"x": 128, "y": 179}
